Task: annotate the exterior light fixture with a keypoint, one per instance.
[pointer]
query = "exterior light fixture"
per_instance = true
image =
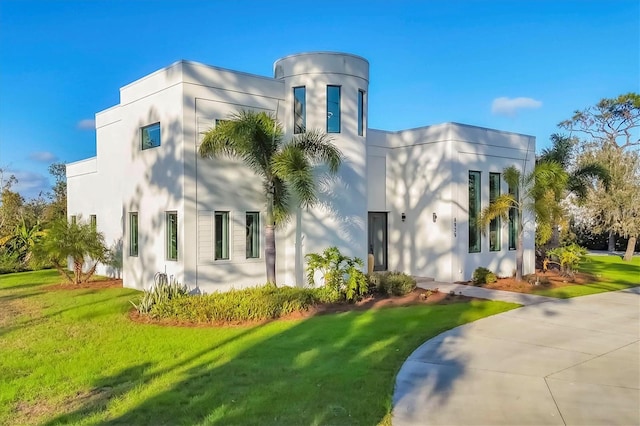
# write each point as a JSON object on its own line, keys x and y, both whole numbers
{"x": 404, "y": 217}
{"x": 435, "y": 217}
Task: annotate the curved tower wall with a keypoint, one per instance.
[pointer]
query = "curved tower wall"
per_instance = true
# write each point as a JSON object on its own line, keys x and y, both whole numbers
{"x": 340, "y": 219}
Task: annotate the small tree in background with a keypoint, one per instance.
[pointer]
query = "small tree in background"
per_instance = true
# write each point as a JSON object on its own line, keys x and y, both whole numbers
{"x": 79, "y": 242}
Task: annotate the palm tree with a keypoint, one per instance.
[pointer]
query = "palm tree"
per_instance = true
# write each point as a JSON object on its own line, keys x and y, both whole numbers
{"x": 533, "y": 193}
{"x": 579, "y": 178}
{"x": 78, "y": 241}
{"x": 22, "y": 240}
{"x": 286, "y": 168}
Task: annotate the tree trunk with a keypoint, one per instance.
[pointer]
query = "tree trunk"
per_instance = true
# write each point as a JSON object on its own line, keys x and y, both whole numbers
{"x": 631, "y": 245}
{"x": 612, "y": 241}
{"x": 519, "y": 256}
{"x": 77, "y": 270}
{"x": 555, "y": 237}
{"x": 270, "y": 241}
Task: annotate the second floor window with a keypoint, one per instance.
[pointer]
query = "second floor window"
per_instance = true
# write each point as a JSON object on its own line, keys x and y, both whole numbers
{"x": 150, "y": 136}
{"x": 299, "y": 110}
{"x": 333, "y": 109}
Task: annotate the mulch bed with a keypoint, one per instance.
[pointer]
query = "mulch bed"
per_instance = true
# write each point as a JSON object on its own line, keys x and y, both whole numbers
{"x": 545, "y": 280}
{"x": 98, "y": 284}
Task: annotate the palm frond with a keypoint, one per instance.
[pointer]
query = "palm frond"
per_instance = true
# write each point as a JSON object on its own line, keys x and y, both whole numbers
{"x": 318, "y": 148}
{"x": 498, "y": 208}
{"x": 292, "y": 166}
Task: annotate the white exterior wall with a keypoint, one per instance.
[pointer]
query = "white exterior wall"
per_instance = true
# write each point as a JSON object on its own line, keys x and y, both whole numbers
{"x": 417, "y": 172}
{"x": 488, "y": 151}
{"x": 222, "y": 184}
{"x": 340, "y": 218}
{"x": 427, "y": 173}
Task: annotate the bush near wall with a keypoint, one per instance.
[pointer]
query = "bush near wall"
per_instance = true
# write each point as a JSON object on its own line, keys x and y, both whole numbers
{"x": 482, "y": 276}
{"x": 249, "y": 304}
{"x": 392, "y": 283}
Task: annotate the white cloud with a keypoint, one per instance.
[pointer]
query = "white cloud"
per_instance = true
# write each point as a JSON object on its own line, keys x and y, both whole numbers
{"x": 87, "y": 124}
{"x": 510, "y": 106}
{"x": 30, "y": 184}
{"x": 43, "y": 156}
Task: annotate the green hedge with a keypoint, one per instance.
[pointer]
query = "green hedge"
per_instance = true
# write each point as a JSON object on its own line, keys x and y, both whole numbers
{"x": 249, "y": 304}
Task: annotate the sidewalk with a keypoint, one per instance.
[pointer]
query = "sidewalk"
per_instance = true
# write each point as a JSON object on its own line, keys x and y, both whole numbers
{"x": 483, "y": 293}
{"x": 566, "y": 362}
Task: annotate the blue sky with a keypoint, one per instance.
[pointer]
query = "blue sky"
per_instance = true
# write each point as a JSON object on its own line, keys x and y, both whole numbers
{"x": 431, "y": 61}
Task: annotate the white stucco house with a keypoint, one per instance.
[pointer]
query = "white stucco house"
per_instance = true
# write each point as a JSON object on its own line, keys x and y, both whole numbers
{"x": 409, "y": 197}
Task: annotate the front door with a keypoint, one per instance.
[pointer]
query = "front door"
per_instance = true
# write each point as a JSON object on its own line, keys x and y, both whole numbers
{"x": 378, "y": 240}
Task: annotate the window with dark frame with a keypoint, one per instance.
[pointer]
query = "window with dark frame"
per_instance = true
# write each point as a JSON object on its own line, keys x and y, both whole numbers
{"x": 133, "y": 234}
{"x": 93, "y": 220}
{"x": 333, "y": 109}
{"x": 514, "y": 219}
{"x": 150, "y": 136}
{"x": 221, "y": 235}
{"x": 299, "y": 110}
{"x": 475, "y": 237}
{"x": 495, "y": 234}
{"x": 360, "y": 112}
{"x": 172, "y": 235}
{"x": 252, "y": 224}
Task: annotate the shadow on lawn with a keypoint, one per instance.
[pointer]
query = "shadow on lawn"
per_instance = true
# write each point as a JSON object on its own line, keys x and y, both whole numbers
{"x": 307, "y": 374}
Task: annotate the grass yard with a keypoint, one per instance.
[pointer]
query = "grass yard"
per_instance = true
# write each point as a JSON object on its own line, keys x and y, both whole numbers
{"x": 611, "y": 273}
{"x": 73, "y": 356}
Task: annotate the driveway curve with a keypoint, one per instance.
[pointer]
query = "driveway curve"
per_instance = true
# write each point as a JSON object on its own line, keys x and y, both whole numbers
{"x": 563, "y": 362}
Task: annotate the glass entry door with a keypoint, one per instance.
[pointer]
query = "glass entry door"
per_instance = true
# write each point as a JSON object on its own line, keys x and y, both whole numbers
{"x": 378, "y": 240}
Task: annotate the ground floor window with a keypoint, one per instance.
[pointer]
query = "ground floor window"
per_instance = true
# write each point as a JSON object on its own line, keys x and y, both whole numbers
{"x": 513, "y": 220}
{"x": 252, "y": 224}
{"x": 494, "y": 227}
{"x": 474, "y": 212}
{"x": 93, "y": 220}
{"x": 221, "y": 234}
{"x": 172, "y": 235}
{"x": 133, "y": 234}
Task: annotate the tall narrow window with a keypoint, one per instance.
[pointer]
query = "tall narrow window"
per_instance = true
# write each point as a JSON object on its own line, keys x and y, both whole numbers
{"x": 495, "y": 236}
{"x": 172, "y": 235}
{"x": 150, "y": 136}
{"x": 93, "y": 220}
{"x": 514, "y": 219}
{"x": 74, "y": 219}
{"x": 299, "y": 110}
{"x": 360, "y": 112}
{"x": 253, "y": 235}
{"x": 222, "y": 235}
{"x": 474, "y": 212}
{"x": 333, "y": 109}
{"x": 133, "y": 234}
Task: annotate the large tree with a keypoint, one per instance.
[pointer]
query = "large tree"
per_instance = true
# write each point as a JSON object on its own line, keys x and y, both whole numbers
{"x": 530, "y": 194}
{"x": 616, "y": 207}
{"x": 612, "y": 123}
{"x": 579, "y": 177}
{"x": 285, "y": 167}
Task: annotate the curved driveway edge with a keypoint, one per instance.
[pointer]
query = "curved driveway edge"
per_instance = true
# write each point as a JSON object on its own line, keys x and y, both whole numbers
{"x": 572, "y": 361}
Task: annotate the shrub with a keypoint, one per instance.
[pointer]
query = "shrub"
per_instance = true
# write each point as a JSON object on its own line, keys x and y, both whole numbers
{"x": 393, "y": 283}
{"x": 482, "y": 276}
{"x": 568, "y": 258}
{"x": 249, "y": 304}
{"x": 162, "y": 291}
{"x": 341, "y": 273}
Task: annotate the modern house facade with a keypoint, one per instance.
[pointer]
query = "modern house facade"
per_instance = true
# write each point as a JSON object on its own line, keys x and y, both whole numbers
{"x": 409, "y": 197}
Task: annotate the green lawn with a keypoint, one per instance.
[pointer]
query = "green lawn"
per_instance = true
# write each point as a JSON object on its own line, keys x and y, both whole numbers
{"x": 611, "y": 273}
{"x": 73, "y": 356}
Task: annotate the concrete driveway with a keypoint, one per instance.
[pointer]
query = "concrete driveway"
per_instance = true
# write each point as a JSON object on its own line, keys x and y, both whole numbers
{"x": 562, "y": 362}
